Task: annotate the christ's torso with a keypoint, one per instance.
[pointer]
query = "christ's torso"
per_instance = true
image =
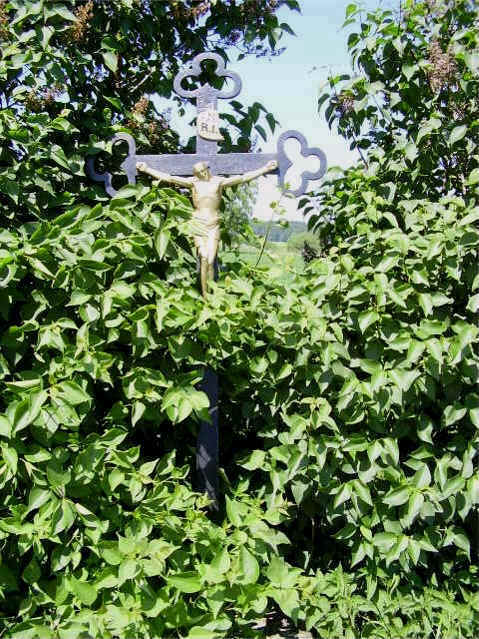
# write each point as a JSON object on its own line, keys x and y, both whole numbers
{"x": 206, "y": 195}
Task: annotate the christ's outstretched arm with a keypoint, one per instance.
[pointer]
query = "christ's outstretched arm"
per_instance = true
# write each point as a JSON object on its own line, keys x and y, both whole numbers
{"x": 252, "y": 175}
{"x": 164, "y": 177}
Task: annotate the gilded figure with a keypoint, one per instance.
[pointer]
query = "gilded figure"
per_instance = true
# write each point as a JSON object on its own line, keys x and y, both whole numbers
{"x": 206, "y": 192}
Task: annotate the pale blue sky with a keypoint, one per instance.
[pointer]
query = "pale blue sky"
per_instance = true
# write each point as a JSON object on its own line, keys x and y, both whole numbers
{"x": 289, "y": 84}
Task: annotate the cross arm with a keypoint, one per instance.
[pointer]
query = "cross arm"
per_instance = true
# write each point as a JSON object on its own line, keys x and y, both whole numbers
{"x": 238, "y": 166}
{"x": 163, "y": 177}
{"x": 251, "y": 175}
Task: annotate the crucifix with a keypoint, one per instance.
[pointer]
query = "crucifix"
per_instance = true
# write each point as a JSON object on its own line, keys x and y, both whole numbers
{"x": 206, "y": 173}
{"x": 206, "y": 195}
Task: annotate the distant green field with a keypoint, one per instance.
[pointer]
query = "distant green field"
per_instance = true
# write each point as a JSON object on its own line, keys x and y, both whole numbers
{"x": 276, "y": 256}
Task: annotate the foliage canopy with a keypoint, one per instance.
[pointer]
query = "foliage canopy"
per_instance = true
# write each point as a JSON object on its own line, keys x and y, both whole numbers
{"x": 349, "y": 403}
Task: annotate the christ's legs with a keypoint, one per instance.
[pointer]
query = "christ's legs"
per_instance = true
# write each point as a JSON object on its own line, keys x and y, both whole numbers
{"x": 201, "y": 244}
{"x": 212, "y": 250}
{"x": 204, "y": 275}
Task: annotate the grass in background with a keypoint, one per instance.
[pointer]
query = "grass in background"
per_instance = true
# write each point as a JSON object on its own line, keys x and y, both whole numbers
{"x": 279, "y": 261}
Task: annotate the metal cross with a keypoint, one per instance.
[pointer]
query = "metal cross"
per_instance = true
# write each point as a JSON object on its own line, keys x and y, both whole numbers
{"x": 207, "y": 149}
{"x": 219, "y": 164}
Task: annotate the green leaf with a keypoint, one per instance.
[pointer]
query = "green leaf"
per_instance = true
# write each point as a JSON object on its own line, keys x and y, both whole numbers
{"x": 473, "y": 177}
{"x": 351, "y": 9}
{"x": 138, "y": 411}
{"x": 236, "y": 511}
{"x": 222, "y": 562}
{"x": 473, "y": 304}
{"x": 23, "y": 416}
{"x": 384, "y": 541}
{"x": 422, "y": 477}
{"x": 358, "y": 554}
{"x": 474, "y": 416}
{"x": 162, "y": 239}
{"x": 188, "y": 582}
{"x": 366, "y": 319}
{"x": 457, "y": 134}
{"x": 470, "y": 218}
{"x": 453, "y": 413}
{"x": 32, "y": 572}
{"x": 419, "y": 276}
{"x": 110, "y": 553}
{"x": 461, "y": 541}
{"x": 288, "y": 601}
{"x": 285, "y": 371}
{"x": 73, "y": 393}
{"x": 397, "y": 497}
{"x": 85, "y": 592}
{"x": 111, "y": 60}
{"x": 425, "y": 301}
{"x": 10, "y": 188}
{"x": 58, "y": 155}
{"x": 199, "y": 632}
{"x": 411, "y": 151}
{"x": 416, "y": 502}
{"x": 362, "y": 492}
{"x": 255, "y": 460}
{"x": 424, "y": 429}
{"x": 47, "y": 33}
{"x": 62, "y": 11}
{"x": 248, "y": 566}
{"x": 343, "y": 495}
{"x": 128, "y": 569}
{"x": 281, "y": 574}
{"x": 5, "y": 427}
{"x": 404, "y": 378}
{"x": 452, "y": 486}
{"x": 116, "y": 102}
{"x": 57, "y": 477}
{"x": 299, "y": 490}
{"x": 63, "y": 518}
{"x": 345, "y": 533}
{"x": 38, "y": 497}
{"x": 10, "y": 456}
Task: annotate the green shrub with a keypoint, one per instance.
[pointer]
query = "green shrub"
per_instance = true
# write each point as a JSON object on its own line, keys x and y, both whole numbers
{"x": 307, "y": 244}
{"x": 349, "y": 401}
{"x": 349, "y": 410}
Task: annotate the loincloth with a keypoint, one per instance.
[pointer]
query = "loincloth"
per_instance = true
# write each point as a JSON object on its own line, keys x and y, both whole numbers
{"x": 206, "y": 224}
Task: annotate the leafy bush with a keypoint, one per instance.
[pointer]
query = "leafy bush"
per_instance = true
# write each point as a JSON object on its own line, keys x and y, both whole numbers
{"x": 98, "y": 535}
{"x": 350, "y": 397}
{"x": 307, "y": 244}
{"x": 349, "y": 410}
{"x": 410, "y": 108}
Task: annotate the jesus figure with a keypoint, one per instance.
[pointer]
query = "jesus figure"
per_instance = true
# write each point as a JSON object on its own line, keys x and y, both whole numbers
{"x": 206, "y": 192}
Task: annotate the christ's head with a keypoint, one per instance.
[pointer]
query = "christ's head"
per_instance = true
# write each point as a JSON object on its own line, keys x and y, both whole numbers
{"x": 202, "y": 171}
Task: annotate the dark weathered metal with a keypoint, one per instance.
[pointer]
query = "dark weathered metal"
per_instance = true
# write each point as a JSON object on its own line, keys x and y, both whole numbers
{"x": 207, "y": 150}
{"x": 284, "y": 162}
{"x": 207, "y": 444}
{"x": 219, "y": 164}
{"x": 182, "y": 164}
{"x": 206, "y": 95}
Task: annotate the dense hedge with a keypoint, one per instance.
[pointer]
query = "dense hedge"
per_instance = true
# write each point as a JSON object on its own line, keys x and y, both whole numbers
{"x": 349, "y": 410}
{"x": 349, "y": 421}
